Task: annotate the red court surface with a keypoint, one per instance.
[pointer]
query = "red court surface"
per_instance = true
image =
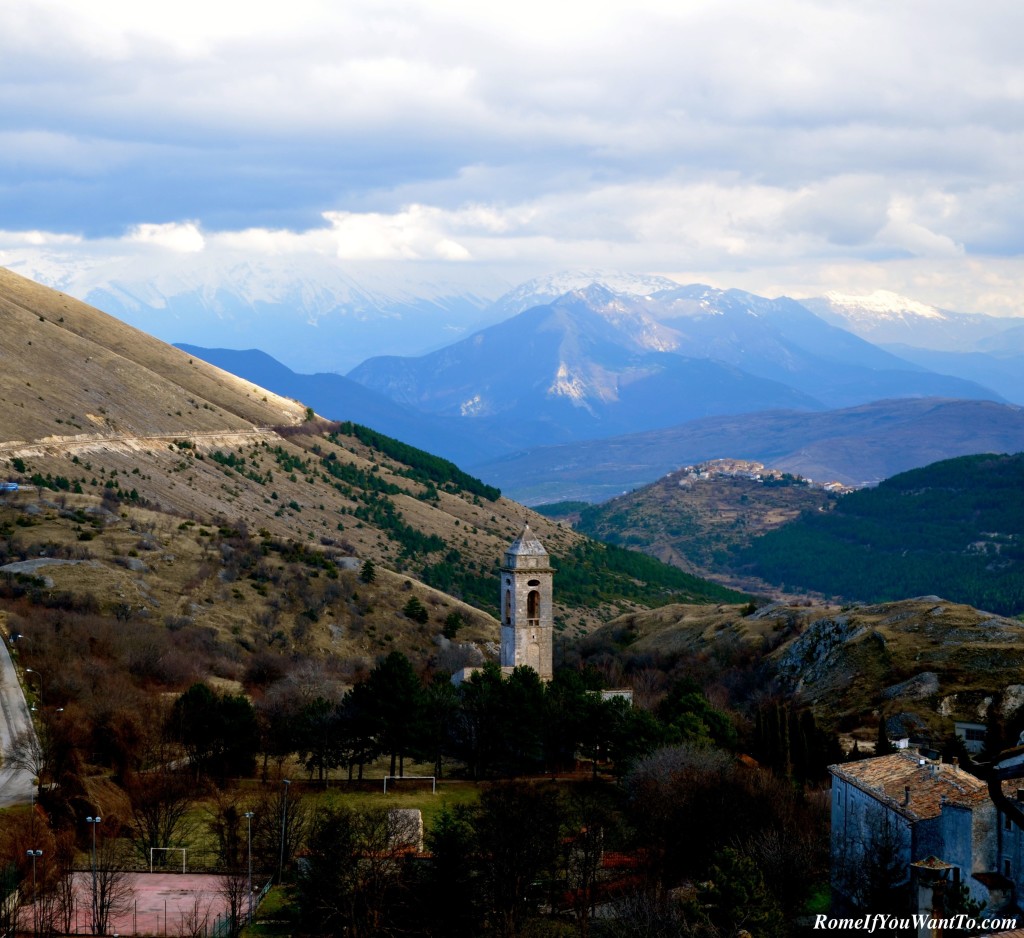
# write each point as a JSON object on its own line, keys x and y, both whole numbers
{"x": 160, "y": 904}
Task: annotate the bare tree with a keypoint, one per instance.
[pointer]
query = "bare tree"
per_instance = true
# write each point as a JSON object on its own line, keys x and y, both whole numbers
{"x": 234, "y": 890}
{"x": 58, "y": 900}
{"x": 26, "y": 753}
{"x": 195, "y": 920}
{"x": 589, "y": 817}
{"x": 114, "y": 885}
{"x": 160, "y": 805}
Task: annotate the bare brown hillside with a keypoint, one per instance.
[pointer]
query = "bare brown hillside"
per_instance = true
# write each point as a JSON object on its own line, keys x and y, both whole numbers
{"x": 70, "y": 370}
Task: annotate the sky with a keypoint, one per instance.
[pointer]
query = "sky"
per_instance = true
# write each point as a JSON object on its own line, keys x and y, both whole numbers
{"x": 783, "y": 147}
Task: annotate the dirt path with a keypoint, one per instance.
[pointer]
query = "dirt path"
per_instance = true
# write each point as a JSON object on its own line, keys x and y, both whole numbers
{"x": 62, "y": 444}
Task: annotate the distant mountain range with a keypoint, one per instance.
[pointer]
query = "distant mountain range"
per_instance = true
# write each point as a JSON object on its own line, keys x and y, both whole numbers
{"x": 594, "y": 363}
{"x": 660, "y": 374}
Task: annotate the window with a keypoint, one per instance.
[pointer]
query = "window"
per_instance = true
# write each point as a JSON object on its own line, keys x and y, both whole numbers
{"x": 533, "y": 605}
{"x": 508, "y": 607}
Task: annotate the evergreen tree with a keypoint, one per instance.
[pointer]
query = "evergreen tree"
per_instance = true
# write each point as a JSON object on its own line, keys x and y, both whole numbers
{"x": 395, "y": 698}
{"x": 736, "y": 899}
{"x": 882, "y": 745}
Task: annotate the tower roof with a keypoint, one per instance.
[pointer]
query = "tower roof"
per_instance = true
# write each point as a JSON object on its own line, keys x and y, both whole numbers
{"x": 526, "y": 551}
{"x": 526, "y": 544}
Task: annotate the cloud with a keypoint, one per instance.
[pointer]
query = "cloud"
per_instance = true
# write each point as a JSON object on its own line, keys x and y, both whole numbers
{"x": 655, "y": 135}
{"x": 184, "y": 238}
{"x": 416, "y": 233}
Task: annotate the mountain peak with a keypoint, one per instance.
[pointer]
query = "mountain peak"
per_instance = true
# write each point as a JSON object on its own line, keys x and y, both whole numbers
{"x": 544, "y": 290}
{"x": 883, "y": 304}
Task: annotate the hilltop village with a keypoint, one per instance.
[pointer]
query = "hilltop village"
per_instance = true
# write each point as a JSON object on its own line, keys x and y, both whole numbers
{"x": 748, "y": 469}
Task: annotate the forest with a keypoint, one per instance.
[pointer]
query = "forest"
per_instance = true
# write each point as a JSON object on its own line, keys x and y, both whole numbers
{"x": 954, "y": 528}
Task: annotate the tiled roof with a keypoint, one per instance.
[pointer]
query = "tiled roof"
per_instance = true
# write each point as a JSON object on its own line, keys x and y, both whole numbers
{"x": 886, "y": 777}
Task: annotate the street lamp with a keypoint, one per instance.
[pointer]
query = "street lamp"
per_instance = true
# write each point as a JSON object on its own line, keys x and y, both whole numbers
{"x": 39, "y": 677}
{"x": 35, "y": 854}
{"x": 248, "y": 818}
{"x": 95, "y": 904}
{"x": 284, "y": 823}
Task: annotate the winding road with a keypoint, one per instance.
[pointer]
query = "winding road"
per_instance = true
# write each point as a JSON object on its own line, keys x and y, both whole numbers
{"x": 17, "y": 786}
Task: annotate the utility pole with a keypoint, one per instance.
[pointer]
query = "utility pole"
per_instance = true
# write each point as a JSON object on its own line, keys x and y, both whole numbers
{"x": 35, "y": 914}
{"x": 248, "y": 817}
{"x": 95, "y": 897}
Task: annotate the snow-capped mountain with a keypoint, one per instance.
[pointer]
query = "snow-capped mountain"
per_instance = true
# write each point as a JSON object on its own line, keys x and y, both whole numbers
{"x": 313, "y": 312}
{"x": 593, "y": 361}
{"x": 887, "y": 318}
{"x": 542, "y": 290}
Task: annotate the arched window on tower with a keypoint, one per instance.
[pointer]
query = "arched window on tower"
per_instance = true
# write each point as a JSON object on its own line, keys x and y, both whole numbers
{"x": 508, "y": 607}
{"x": 533, "y": 605}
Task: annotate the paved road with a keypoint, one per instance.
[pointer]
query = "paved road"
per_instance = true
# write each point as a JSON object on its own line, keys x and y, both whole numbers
{"x": 16, "y": 785}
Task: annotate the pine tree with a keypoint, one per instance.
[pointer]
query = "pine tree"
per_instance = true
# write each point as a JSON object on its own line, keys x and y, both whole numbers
{"x": 882, "y": 745}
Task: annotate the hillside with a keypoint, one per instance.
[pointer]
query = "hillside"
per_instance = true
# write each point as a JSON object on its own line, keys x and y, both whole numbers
{"x": 152, "y": 441}
{"x": 955, "y": 528}
{"x": 72, "y": 371}
{"x": 921, "y": 663}
{"x": 696, "y": 518}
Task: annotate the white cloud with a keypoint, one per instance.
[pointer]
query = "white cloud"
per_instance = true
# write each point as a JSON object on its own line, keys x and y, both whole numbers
{"x": 415, "y": 233}
{"x": 34, "y": 239}
{"x": 180, "y": 237}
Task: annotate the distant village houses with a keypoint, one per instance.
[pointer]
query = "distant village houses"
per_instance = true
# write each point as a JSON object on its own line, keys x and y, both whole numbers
{"x": 747, "y": 469}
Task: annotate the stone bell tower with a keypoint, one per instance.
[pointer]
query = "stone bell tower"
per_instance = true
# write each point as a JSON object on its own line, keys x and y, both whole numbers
{"x": 527, "y": 620}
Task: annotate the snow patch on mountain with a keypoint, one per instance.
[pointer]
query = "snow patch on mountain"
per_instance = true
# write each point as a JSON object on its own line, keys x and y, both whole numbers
{"x": 543, "y": 290}
{"x": 882, "y": 304}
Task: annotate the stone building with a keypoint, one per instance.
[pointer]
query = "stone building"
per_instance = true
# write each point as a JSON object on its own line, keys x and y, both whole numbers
{"x": 527, "y": 616}
{"x": 905, "y": 809}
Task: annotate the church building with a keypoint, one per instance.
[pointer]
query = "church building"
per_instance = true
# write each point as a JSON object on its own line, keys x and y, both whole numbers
{"x": 527, "y": 618}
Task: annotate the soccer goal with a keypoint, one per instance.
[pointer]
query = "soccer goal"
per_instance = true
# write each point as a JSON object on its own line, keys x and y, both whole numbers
{"x": 181, "y": 850}
{"x": 402, "y": 778}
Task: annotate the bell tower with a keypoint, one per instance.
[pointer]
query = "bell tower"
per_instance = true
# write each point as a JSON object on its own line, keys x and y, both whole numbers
{"x": 527, "y": 619}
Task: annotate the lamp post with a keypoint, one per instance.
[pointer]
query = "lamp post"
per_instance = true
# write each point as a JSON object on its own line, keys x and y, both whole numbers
{"x": 35, "y": 916}
{"x": 248, "y": 818}
{"x": 39, "y": 678}
{"x": 284, "y": 824}
{"x": 95, "y": 899}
